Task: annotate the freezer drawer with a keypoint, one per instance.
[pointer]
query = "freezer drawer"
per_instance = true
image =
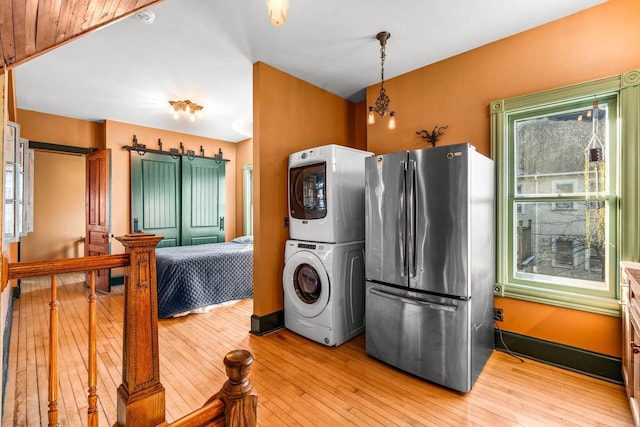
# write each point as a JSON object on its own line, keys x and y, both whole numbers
{"x": 425, "y": 335}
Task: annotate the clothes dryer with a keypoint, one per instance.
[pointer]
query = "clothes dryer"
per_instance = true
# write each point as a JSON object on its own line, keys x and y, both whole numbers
{"x": 326, "y": 194}
{"x": 324, "y": 290}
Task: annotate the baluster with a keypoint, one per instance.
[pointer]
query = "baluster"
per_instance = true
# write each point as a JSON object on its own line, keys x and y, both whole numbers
{"x": 92, "y": 412}
{"x": 53, "y": 354}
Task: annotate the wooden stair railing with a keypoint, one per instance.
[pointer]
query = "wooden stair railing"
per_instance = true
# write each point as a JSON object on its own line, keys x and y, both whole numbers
{"x": 141, "y": 396}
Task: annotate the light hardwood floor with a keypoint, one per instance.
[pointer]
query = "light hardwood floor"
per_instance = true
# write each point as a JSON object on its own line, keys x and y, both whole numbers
{"x": 299, "y": 382}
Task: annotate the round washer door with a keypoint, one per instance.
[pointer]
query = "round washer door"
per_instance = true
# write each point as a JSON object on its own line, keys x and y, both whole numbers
{"x": 306, "y": 283}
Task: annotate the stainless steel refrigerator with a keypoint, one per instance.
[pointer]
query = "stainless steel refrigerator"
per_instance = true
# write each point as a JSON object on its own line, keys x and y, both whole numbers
{"x": 430, "y": 263}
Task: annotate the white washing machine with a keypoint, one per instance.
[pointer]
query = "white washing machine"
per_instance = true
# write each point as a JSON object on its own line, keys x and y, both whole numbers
{"x": 324, "y": 290}
{"x": 326, "y": 194}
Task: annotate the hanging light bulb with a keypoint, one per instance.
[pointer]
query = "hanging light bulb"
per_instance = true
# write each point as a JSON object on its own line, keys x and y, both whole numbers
{"x": 187, "y": 106}
{"x": 372, "y": 117}
{"x": 392, "y": 120}
{"x": 278, "y": 11}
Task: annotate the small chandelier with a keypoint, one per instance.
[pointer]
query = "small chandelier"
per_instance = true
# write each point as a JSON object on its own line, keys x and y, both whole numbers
{"x": 382, "y": 102}
{"x": 278, "y": 11}
{"x": 188, "y": 107}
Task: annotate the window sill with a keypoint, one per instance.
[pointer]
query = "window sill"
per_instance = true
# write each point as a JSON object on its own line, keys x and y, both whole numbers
{"x": 606, "y": 306}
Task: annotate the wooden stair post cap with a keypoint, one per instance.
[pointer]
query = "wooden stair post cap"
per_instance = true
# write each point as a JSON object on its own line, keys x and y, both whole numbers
{"x": 238, "y": 363}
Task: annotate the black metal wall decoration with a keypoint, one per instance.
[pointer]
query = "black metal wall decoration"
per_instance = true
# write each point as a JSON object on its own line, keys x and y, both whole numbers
{"x": 142, "y": 149}
{"x": 434, "y": 135}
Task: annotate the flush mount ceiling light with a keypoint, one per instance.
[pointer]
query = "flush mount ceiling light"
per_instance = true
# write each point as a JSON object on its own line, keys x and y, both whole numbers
{"x": 185, "y": 106}
{"x": 278, "y": 11}
{"x": 382, "y": 102}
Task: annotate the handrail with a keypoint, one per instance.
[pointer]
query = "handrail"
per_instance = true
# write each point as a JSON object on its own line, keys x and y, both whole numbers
{"x": 211, "y": 414}
{"x": 22, "y": 270}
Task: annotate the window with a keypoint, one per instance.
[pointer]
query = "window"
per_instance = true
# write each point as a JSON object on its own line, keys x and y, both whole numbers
{"x": 555, "y": 189}
{"x": 563, "y": 187}
{"x": 563, "y": 250}
{"x": 18, "y": 184}
{"x": 559, "y": 171}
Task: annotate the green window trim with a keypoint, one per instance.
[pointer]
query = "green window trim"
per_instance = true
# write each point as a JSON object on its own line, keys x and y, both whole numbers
{"x": 626, "y": 89}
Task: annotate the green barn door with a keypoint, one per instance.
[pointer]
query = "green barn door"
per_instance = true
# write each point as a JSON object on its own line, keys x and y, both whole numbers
{"x": 202, "y": 201}
{"x": 155, "y": 196}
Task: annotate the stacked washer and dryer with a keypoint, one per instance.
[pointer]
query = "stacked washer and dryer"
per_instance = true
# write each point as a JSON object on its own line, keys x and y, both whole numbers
{"x": 323, "y": 277}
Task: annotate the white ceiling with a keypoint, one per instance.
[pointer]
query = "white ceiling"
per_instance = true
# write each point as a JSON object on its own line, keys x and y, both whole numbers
{"x": 203, "y": 50}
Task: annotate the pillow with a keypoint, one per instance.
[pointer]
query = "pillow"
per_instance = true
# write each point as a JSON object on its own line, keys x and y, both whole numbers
{"x": 246, "y": 240}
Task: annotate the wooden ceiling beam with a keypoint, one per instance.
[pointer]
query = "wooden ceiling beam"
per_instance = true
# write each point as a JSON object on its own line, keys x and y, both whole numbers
{"x": 29, "y": 28}
{"x": 47, "y": 24}
{"x": 29, "y": 24}
{"x": 7, "y": 36}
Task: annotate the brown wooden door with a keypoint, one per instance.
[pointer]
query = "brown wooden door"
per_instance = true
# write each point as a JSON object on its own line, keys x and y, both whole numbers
{"x": 98, "y": 212}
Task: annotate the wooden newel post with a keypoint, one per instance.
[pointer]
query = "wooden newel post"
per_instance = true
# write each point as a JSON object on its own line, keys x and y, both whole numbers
{"x": 237, "y": 393}
{"x": 141, "y": 400}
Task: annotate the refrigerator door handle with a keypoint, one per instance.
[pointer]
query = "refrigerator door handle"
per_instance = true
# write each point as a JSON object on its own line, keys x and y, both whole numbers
{"x": 411, "y": 218}
{"x": 415, "y": 301}
{"x": 404, "y": 259}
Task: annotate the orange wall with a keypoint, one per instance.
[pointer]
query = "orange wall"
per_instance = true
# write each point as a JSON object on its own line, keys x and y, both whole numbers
{"x": 304, "y": 116}
{"x": 360, "y": 126}
{"x": 121, "y": 134}
{"x": 244, "y": 156}
{"x": 595, "y": 43}
{"x": 60, "y": 130}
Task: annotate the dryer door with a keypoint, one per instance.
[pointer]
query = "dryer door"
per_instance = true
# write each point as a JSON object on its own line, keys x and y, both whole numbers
{"x": 307, "y": 191}
{"x": 306, "y": 283}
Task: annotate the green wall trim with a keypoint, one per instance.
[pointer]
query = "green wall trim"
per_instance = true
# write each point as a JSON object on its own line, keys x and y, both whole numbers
{"x": 630, "y": 162}
{"x": 116, "y": 280}
{"x": 575, "y": 359}
{"x": 261, "y": 325}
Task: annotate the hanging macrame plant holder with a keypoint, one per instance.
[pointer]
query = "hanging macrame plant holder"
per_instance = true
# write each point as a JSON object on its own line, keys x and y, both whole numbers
{"x": 594, "y": 164}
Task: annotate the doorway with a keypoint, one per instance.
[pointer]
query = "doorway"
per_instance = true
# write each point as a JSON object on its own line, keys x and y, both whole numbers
{"x": 59, "y": 207}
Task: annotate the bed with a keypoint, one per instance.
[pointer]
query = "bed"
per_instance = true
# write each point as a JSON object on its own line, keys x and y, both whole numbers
{"x": 194, "y": 278}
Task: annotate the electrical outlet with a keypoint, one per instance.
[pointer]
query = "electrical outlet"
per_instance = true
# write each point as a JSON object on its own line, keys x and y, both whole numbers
{"x": 498, "y": 314}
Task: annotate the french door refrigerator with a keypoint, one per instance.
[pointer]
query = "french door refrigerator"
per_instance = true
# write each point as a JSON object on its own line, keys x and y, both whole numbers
{"x": 430, "y": 262}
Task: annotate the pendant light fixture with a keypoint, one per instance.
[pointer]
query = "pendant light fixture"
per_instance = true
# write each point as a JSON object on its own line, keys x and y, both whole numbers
{"x": 382, "y": 102}
{"x": 278, "y": 11}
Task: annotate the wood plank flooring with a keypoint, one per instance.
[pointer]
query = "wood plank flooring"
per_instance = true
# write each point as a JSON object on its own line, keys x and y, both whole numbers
{"x": 299, "y": 382}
